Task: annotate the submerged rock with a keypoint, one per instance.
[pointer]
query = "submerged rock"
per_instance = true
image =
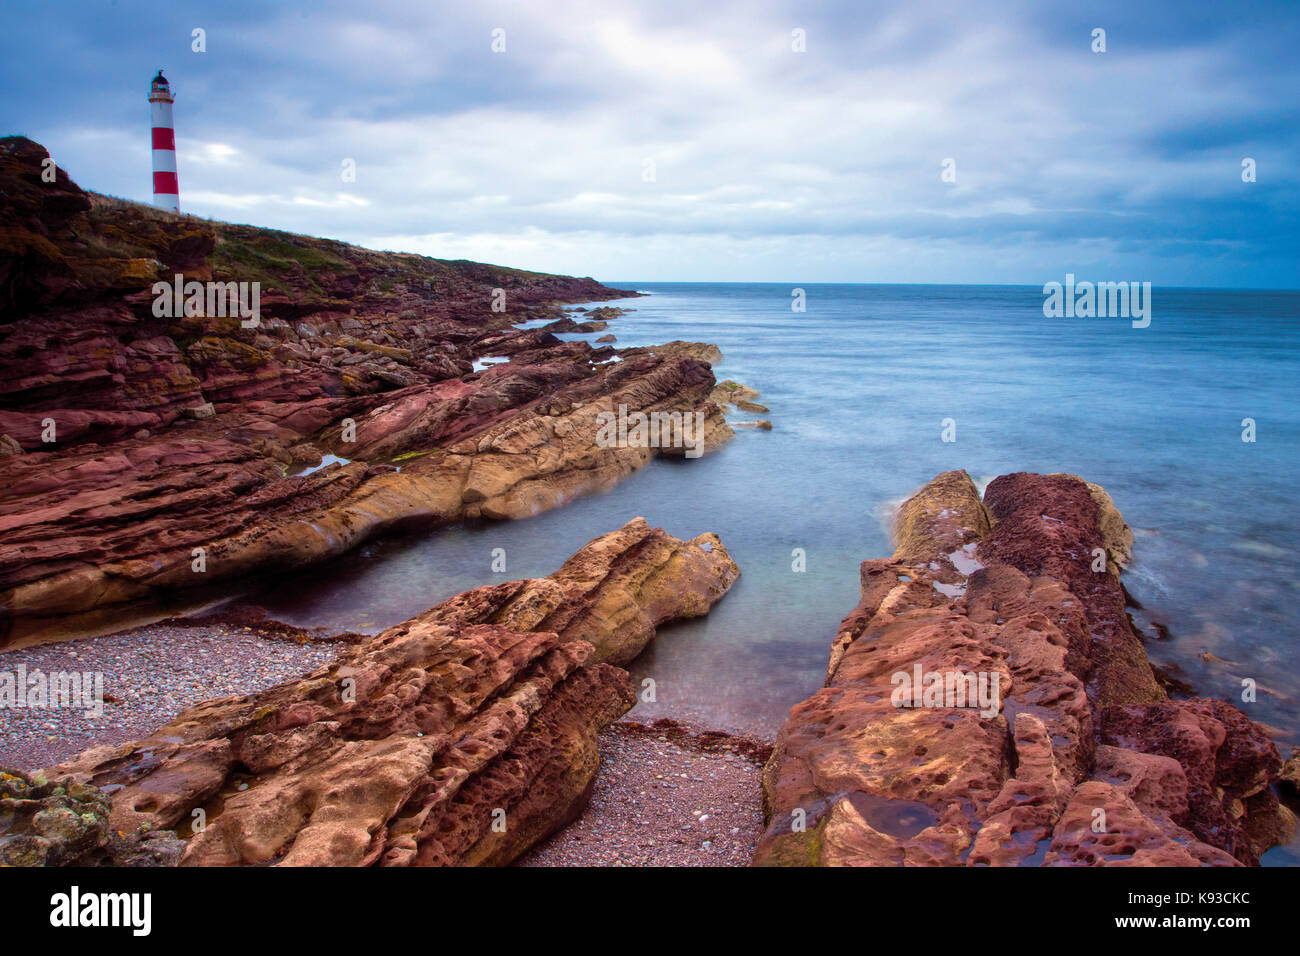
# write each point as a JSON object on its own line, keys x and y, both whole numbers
{"x": 1290, "y": 776}
{"x": 742, "y": 397}
{"x": 733, "y": 393}
{"x": 989, "y": 703}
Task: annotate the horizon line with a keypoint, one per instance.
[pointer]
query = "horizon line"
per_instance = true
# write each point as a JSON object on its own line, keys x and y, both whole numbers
{"x": 624, "y": 283}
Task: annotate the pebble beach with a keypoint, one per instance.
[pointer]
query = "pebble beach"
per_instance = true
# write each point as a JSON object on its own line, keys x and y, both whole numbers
{"x": 665, "y": 795}
{"x": 150, "y": 674}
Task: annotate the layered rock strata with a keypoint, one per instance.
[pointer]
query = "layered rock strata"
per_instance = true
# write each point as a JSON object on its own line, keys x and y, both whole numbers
{"x": 1082, "y": 759}
{"x": 144, "y": 454}
{"x": 438, "y": 742}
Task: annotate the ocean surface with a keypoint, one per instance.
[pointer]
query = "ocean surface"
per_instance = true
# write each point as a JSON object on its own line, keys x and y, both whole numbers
{"x": 859, "y": 386}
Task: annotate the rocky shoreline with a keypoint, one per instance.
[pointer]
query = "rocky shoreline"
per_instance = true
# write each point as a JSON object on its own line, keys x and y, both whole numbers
{"x": 151, "y": 460}
{"x": 487, "y": 731}
{"x": 149, "y": 456}
{"x": 461, "y": 737}
{"x": 1085, "y": 760}
{"x": 645, "y": 807}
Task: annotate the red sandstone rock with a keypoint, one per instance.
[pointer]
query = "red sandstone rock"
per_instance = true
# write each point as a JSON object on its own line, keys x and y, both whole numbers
{"x": 437, "y": 742}
{"x": 1228, "y": 761}
{"x": 131, "y": 439}
{"x": 397, "y": 753}
{"x": 614, "y": 593}
{"x": 1083, "y": 762}
{"x": 91, "y": 528}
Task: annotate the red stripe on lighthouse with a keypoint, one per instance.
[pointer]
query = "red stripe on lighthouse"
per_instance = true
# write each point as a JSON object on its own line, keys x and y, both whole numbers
{"x": 164, "y": 138}
{"x": 166, "y": 184}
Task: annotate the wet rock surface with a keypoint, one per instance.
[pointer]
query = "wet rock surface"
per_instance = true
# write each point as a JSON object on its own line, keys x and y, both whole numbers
{"x": 1081, "y": 759}
{"x": 146, "y": 454}
{"x": 436, "y": 742}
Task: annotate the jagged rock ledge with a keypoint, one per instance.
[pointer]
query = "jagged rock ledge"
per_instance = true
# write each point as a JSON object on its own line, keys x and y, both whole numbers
{"x": 462, "y": 736}
{"x": 145, "y": 456}
{"x": 1084, "y": 761}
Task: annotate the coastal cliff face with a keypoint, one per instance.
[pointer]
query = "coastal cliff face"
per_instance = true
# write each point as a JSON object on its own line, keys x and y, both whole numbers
{"x": 143, "y": 455}
{"x": 441, "y": 741}
{"x": 1076, "y": 757}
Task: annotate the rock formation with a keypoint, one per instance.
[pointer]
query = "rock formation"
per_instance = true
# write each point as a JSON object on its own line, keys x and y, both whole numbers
{"x": 733, "y": 393}
{"x": 614, "y": 593}
{"x": 143, "y": 454}
{"x": 437, "y": 742}
{"x": 1082, "y": 760}
{"x": 62, "y": 822}
{"x": 703, "y": 351}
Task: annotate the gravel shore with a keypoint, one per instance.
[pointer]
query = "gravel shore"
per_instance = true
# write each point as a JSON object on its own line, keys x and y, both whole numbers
{"x": 666, "y": 796}
{"x": 150, "y": 675}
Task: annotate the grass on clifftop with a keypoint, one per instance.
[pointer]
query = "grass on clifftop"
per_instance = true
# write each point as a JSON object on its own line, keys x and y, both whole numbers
{"x": 283, "y": 261}
{"x": 260, "y": 255}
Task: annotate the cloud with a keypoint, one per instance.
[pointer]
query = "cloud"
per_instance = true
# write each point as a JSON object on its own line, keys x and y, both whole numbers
{"x": 690, "y": 141}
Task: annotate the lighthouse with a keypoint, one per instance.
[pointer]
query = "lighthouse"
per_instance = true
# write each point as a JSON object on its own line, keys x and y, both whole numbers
{"x": 166, "y": 188}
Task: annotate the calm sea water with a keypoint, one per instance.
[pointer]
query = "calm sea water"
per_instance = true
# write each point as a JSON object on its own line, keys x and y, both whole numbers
{"x": 859, "y": 386}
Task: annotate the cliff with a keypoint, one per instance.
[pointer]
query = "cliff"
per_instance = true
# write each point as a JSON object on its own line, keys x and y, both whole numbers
{"x": 142, "y": 454}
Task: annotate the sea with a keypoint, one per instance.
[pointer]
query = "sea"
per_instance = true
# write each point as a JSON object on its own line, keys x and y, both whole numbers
{"x": 1190, "y": 423}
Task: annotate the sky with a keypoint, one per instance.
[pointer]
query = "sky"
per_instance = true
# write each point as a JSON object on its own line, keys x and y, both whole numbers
{"x": 950, "y": 142}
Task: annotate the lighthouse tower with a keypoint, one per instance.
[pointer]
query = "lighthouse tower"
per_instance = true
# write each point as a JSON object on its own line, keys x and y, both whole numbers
{"x": 166, "y": 188}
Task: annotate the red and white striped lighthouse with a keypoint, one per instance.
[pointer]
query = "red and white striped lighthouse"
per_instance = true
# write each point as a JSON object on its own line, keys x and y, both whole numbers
{"x": 166, "y": 187}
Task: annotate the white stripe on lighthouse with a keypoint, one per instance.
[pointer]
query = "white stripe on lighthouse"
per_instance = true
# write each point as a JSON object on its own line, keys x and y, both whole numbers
{"x": 164, "y": 161}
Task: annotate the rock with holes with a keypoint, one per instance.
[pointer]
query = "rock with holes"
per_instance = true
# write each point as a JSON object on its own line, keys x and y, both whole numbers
{"x": 966, "y": 693}
{"x": 430, "y": 744}
{"x": 461, "y": 737}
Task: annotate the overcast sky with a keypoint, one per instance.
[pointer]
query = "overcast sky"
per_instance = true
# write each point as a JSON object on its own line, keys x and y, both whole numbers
{"x": 689, "y": 141}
